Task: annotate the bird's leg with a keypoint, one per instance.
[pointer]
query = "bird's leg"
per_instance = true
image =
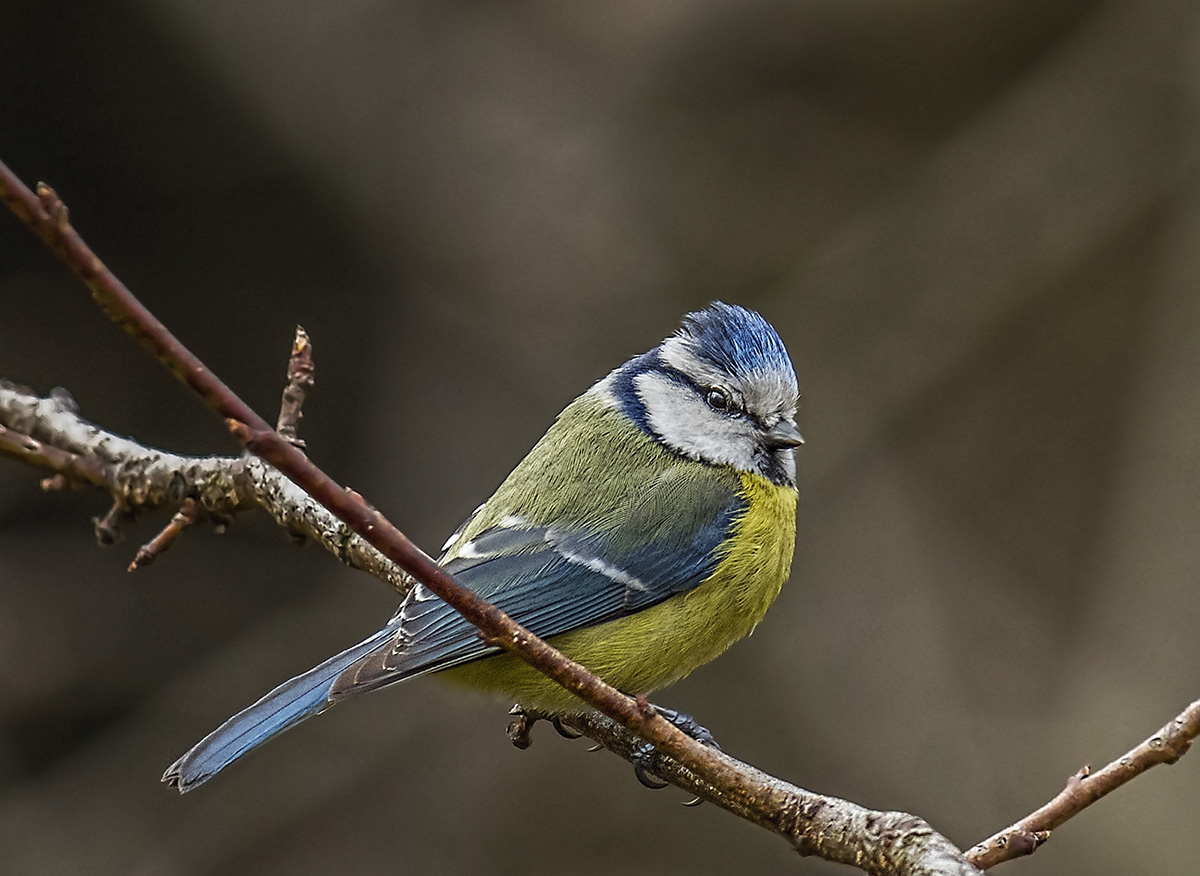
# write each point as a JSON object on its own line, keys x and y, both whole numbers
{"x": 520, "y": 726}
{"x": 643, "y": 758}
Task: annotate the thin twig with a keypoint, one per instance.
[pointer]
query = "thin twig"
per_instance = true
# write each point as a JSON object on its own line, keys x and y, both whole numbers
{"x": 188, "y": 513}
{"x": 1085, "y": 787}
{"x": 300, "y": 380}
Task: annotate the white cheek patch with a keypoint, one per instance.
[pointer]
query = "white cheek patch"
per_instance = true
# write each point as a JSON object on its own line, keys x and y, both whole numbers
{"x": 686, "y": 423}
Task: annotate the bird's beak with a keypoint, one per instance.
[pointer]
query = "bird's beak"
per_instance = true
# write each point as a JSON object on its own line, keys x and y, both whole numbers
{"x": 783, "y": 434}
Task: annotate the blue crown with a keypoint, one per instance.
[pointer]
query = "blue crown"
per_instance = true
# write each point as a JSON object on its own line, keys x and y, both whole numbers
{"x": 737, "y": 341}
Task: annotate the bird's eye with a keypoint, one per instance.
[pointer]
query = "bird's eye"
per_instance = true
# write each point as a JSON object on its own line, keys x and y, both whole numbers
{"x": 718, "y": 399}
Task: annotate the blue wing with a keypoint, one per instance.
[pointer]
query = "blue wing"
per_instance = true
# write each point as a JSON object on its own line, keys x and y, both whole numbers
{"x": 554, "y": 579}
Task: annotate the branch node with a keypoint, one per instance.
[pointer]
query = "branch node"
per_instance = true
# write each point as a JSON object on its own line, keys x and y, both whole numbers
{"x": 63, "y": 399}
{"x": 1077, "y": 779}
{"x": 645, "y": 708}
{"x": 253, "y": 439}
{"x": 240, "y": 431}
{"x": 54, "y": 207}
{"x": 54, "y": 483}
{"x": 1024, "y": 842}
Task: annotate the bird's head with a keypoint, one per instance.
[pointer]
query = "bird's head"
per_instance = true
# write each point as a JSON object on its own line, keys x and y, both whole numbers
{"x": 720, "y": 389}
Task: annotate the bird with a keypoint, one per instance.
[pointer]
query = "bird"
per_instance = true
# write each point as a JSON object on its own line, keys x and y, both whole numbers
{"x": 650, "y": 528}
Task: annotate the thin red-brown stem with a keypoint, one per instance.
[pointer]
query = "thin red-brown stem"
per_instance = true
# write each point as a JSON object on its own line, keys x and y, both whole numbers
{"x": 187, "y": 514}
{"x": 1084, "y": 788}
{"x": 300, "y": 381}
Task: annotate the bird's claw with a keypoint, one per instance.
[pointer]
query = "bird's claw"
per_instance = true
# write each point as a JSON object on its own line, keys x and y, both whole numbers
{"x": 643, "y": 758}
{"x": 563, "y": 730}
{"x": 641, "y": 768}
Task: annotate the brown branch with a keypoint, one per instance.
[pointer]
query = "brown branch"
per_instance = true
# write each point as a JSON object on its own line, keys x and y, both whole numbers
{"x": 1085, "y": 787}
{"x": 917, "y": 848}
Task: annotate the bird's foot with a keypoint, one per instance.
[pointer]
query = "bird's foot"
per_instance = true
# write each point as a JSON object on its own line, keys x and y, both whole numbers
{"x": 643, "y": 758}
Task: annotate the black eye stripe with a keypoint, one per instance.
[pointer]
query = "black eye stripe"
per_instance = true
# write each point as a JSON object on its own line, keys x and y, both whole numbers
{"x": 707, "y": 392}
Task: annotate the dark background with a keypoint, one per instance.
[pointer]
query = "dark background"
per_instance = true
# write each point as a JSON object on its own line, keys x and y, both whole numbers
{"x": 973, "y": 223}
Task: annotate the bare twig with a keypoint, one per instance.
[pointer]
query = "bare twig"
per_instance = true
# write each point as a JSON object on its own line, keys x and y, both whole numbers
{"x": 1085, "y": 787}
{"x": 912, "y": 847}
{"x": 300, "y": 380}
{"x": 188, "y": 513}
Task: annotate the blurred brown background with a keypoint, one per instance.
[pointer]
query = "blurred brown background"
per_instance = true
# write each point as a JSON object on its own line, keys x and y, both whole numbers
{"x": 973, "y": 223}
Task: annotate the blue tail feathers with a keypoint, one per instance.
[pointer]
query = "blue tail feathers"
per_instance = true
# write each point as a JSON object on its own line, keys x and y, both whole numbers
{"x": 290, "y": 703}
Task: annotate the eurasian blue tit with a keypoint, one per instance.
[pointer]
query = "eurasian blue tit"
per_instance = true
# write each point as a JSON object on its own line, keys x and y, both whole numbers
{"x": 649, "y": 529}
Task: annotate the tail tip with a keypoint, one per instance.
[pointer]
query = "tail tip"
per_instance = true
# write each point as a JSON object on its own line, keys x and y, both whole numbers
{"x": 175, "y": 778}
